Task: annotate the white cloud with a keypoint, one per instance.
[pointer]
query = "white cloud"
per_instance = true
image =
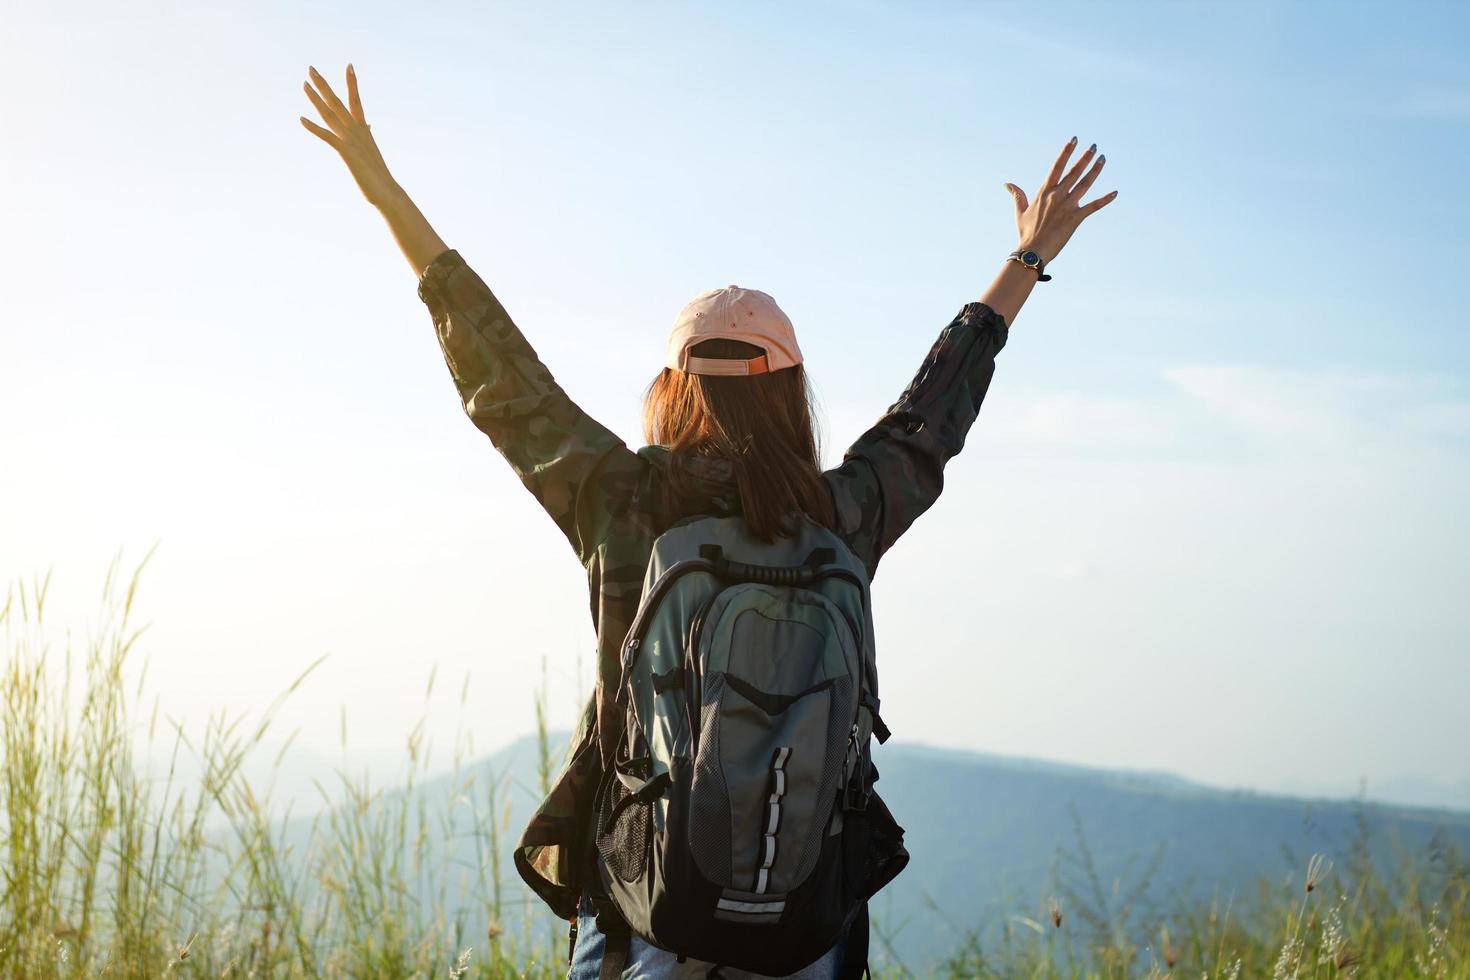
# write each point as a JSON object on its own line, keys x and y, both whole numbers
{"x": 1207, "y": 409}
{"x": 1070, "y": 420}
{"x": 1328, "y": 409}
{"x": 1448, "y": 420}
{"x": 1448, "y": 103}
{"x": 1077, "y": 568}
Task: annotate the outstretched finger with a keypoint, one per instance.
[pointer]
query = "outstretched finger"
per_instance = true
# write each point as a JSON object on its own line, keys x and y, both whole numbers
{"x": 1086, "y": 181}
{"x": 1061, "y": 162}
{"x": 328, "y": 116}
{"x": 354, "y": 100}
{"x": 1092, "y": 206}
{"x": 330, "y": 96}
{"x": 1018, "y": 196}
{"x": 329, "y": 137}
{"x": 1076, "y": 169}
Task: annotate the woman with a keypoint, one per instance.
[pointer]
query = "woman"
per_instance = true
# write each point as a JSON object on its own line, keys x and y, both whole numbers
{"x": 730, "y": 431}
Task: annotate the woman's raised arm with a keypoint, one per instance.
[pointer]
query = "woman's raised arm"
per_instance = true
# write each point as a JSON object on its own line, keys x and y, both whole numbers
{"x": 1045, "y": 225}
{"x": 579, "y": 471}
{"x": 895, "y": 471}
{"x": 350, "y": 135}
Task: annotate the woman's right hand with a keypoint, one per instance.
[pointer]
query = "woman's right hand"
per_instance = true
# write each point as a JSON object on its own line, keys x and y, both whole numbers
{"x": 350, "y": 135}
{"x": 1046, "y": 223}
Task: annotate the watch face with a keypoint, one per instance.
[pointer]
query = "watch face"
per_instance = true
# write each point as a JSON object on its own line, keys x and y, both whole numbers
{"x": 1030, "y": 257}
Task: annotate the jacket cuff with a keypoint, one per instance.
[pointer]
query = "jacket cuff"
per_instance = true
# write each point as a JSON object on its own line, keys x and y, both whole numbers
{"x": 435, "y": 278}
{"x": 978, "y": 312}
{"x": 980, "y": 316}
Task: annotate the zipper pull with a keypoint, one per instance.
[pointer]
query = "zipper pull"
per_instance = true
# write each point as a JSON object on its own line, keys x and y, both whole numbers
{"x": 627, "y": 664}
{"x": 852, "y": 779}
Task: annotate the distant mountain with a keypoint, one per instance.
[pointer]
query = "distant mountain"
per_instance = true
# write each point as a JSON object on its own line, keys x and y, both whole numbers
{"x": 1407, "y": 791}
{"x": 994, "y": 837}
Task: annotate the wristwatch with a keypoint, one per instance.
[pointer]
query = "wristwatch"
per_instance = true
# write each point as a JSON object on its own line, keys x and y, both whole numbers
{"x": 1031, "y": 260}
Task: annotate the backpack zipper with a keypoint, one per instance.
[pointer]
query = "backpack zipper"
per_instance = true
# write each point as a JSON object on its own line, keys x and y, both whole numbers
{"x": 694, "y": 680}
{"x": 635, "y": 631}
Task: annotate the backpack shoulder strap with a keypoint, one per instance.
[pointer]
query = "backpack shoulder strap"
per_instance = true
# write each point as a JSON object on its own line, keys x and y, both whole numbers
{"x": 617, "y": 938}
{"x": 855, "y": 949}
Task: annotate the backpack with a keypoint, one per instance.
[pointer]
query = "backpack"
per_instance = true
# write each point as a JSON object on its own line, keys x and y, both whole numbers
{"x": 738, "y": 823}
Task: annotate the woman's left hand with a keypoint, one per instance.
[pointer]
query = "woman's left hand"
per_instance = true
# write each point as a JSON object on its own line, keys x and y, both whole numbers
{"x": 1046, "y": 222}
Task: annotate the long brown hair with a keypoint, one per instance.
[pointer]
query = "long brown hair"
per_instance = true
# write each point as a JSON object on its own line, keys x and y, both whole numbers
{"x": 763, "y": 423}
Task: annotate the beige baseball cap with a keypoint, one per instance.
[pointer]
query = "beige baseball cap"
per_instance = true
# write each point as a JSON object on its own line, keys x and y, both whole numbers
{"x": 735, "y": 314}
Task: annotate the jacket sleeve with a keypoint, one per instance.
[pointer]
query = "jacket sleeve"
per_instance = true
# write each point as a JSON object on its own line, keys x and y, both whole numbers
{"x": 895, "y": 471}
{"x": 577, "y": 469}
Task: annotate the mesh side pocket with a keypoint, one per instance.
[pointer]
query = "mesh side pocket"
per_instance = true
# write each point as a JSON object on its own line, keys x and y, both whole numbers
{"x": 886, "y": 856}
{"x": 624, "y": 845}
{"x": 832, "y": 768}
{"x": 709, "y": 803}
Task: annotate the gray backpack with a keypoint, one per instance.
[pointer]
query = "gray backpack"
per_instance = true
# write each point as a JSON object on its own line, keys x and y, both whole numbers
{"x": 739, "y": 824}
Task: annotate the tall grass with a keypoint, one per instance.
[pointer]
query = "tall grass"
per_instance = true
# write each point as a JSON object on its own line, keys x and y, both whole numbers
{"x": 110, "y": 871}
{"x": 1362, "y": 920}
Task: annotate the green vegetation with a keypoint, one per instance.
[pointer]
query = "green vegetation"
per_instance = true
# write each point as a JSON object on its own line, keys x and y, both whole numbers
{"x": 108, "y": 872}
{"x": 1350, "y": 922}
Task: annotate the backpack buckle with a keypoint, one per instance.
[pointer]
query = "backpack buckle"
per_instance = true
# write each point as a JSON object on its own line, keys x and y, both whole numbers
{"x": 880, "y": 730}
{"x": 856, "y": 796}
{"x": 609, "y": 918}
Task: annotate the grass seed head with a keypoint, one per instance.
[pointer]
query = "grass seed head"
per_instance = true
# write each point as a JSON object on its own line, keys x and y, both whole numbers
{"x": 1317, "y": 868}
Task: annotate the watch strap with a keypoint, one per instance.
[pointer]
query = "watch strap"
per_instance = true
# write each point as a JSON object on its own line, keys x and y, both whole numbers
{"x": 1040, "y": 265}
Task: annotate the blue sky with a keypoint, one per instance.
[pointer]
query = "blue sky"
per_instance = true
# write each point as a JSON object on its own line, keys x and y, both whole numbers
{"x": 1210, "y": 520}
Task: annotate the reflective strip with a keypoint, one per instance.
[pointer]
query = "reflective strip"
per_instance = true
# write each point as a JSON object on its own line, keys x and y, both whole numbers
{"x": 773, "y": 818}
{"x": 753, "y": 908}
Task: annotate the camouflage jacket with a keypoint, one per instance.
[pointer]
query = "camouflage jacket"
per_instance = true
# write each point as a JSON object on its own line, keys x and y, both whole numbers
{"x": 604, "y": 497}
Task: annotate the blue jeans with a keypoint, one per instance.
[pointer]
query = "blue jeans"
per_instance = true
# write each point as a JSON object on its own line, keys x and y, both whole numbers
{"x": 647, "y": 962}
